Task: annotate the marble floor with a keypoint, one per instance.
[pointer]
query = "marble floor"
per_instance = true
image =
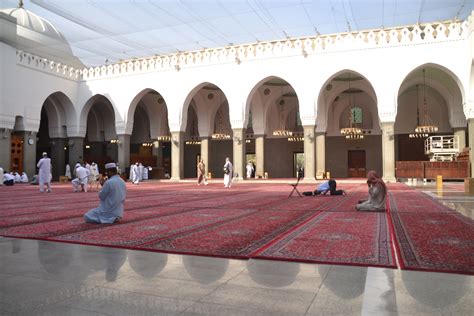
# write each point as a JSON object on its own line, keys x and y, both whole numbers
{"x": 46, "y": 278}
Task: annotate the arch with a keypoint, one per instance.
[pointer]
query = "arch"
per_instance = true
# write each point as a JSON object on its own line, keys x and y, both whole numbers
{"x": 443, "y": 81}
{"x": 61, "y": 113}
{"x": 326, "y": 99}
{"x": 101, "y": 107}
{"x": 205, "y": 107}
{"x": 146, "y": 98}
{"x": 257, "y": 95}
{"x": 107, "y": 108}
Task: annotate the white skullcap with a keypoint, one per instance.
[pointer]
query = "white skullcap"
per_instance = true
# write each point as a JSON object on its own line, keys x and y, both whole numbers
{"x": 45, "y": 153}
{"x": 110, "y": 165}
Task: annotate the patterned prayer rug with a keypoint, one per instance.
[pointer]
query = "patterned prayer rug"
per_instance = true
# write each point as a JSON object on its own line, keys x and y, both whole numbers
{"x": 144, "y": 231}
{"x": 415, "y": 201}
{"x": 355, "y": 238}
{"x": 432, "y": 239}
{"x": 237, "y": 238}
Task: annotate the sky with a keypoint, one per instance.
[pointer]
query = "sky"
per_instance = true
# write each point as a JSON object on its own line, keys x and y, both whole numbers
{"x": 108, "y": 31}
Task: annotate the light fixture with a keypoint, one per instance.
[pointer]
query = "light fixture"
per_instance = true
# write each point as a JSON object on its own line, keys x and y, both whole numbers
{"x": 281, "y": 131}
{"x": 115, "y": 141}
{"x": 352, "y": 132}
{"x": 193, "y": 142}
{"x": 147, "y": 144}
{"x": 220, "y": 133}
{"x": 297, "y": 137}
{"x": 164, "y": 138}
{"x": 425, "y": 125}
{"x": 238, "y": 140}
{"x": 88, "y": 146}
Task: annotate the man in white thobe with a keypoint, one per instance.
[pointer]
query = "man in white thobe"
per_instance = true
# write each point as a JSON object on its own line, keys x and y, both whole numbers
{"x": 17, "y": 177}
{"x": 140, "y": 171}
{"x": 1, "y": 176}
{"x": 82, "y": 175}
{"x": 135, "y": 173}
{"x": 44, "y": 173}
{"x": 112, "y": 199}
{"x": 228, "y": 173}
{"x": 24, "y": 178}
{"x": 67, "y": 173}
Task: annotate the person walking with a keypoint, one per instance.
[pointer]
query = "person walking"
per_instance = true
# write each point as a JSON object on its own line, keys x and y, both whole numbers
{"x": 201, "y": 172}
{"x": 228, "y": 173}
{"x": 44, "y": 173}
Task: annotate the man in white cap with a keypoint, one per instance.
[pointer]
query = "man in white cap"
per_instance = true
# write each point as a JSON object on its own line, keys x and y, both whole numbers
{"x": 112, "y": 199}
{"x": 44, "y": 173}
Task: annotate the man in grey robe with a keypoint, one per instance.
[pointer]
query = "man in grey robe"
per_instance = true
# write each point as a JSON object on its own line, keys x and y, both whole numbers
{"x": 44, "y": 173}
{"x": 112, "y": 199}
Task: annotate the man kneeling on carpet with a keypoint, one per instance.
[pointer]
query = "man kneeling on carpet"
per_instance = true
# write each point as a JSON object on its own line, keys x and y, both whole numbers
{"x": 377, "y": 194}
{"x": 112, "y": 199}
{"x": 325, "y": 187}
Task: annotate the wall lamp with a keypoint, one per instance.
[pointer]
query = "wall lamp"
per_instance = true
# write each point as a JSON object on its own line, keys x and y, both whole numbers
{"x": 175, "y": 140}
{"x": 310, "y": 137}
{"x": 238, "y": 140}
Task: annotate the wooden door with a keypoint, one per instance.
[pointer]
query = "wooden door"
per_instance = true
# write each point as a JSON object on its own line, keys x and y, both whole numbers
{"x": 356, "y": 164}
{"x": 17, "y": 153}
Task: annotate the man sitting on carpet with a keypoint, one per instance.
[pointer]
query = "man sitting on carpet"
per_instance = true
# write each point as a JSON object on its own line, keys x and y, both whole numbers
{"x": 112, "y": 199}
{"x": 325, "y": 187}
{"x": 377, "y": 194}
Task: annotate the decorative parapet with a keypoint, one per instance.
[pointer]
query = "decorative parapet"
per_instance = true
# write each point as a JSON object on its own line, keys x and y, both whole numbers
{"x": 48, "y": 66}
{"x": 306, "y": 46}
{"x": 409, "y": 35}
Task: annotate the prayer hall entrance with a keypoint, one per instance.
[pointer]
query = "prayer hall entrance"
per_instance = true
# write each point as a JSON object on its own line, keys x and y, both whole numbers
{"x": 356, "y": 163}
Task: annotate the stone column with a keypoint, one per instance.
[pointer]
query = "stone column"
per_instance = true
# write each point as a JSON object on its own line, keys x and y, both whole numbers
{"x": 239, "y": 152}
{"x": 29, "y": 153}
{"x": 260, "y": 155}
{"x": 470, "y": 126}
{"x": 5, "y": 151}
{"x": 177, "y": 156}
{"x": 123, "y": 147}
{"x": 309, "y": 153}
{"x": 205, "y": 145}
{"x": 320, "y": 153}
{"x": 461, "y": 133}
{"x": 76, "y": 150}
{"x": 388, "y": 151}
{"x": 58, "y": 157}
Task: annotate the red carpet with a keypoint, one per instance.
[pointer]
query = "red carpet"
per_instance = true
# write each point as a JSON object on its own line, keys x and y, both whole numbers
{"x": 252, "y": 221}
{"x": 431, "y": 237}
{"x": 139, "y": 232}
{"x": 337, "y": 237}
{"x": 236, "y": 238}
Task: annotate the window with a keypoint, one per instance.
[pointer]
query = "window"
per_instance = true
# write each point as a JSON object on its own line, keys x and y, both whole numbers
{"x": 356, "y": 114}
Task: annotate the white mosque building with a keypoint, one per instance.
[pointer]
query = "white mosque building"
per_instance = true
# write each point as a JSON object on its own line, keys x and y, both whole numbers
{"x": 285, "y": 104}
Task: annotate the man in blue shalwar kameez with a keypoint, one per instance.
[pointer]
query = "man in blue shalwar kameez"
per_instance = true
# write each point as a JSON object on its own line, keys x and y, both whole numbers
{"x": 112, "y": 199}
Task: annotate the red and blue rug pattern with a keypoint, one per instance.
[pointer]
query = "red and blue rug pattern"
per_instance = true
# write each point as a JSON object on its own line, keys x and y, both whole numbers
{"x": 337, "y": 238}
{"x": 235, "y": 238}
{"x": 432, "y": 237}
{"x": 253, "y": 221}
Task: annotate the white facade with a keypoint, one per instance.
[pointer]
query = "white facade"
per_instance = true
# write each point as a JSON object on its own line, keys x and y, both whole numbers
{"x": 386, "y": 66}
